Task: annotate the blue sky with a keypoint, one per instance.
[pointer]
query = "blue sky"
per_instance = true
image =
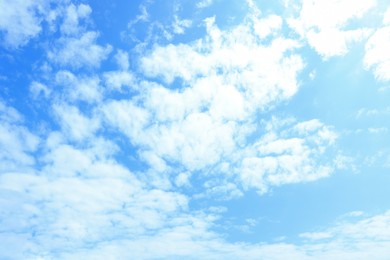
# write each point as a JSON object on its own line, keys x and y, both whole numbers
{"x": 194, "y": 129}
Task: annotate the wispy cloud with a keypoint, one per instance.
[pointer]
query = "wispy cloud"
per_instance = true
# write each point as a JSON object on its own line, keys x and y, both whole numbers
{"x": 17, "y": 143}
{"x": 377, "y": 56}
{"x": 204, "y": 3}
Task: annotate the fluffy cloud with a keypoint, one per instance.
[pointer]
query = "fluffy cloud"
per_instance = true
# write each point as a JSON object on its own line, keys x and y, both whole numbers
{"x": 286, "y": 156}
{"x": 73, "y": 14}
{"x": 227, "y": 79}
{"x": 77, "y": 47}
{"x": 236, "y": 55}
{"x": 20, "y": 20}
{"x": 75, "y": 124}
{"x": 386, "y": 17}
{"x": 122, "y": 59}
{"x": 323, "y": 24}
{"x": 79, "y": 52}
{"x": 202, "y": 112}
{"x": 267, "y": 26}
{"x": 116, "y": 80}
{"x": 232, "y": 63}
{"x": 17, "y": 143}
{"x": 81, "y": 196}
{"x": 377, "y": 56}
{"x": 78, "y": 88}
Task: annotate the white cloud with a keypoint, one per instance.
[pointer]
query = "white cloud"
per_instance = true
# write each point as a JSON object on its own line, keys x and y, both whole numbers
{"x": 183, "y": 179}
{"x": 124, "y": 219}
{"x": 323, "y": 24}
{"x": 375, "y": 228}
{"x": 268, "y": 25}
{"x": 122, "y": 58}
{"x": 343, "y": 162}
{"x": 228, "y": 77}
{"x": 316, "y": 235}
{"x": 237, "y": 56}
{"x": 37, "y": 89}
{"x": 80, "y": 52}
{"x": 129, "y": 118}
{"x": 334, "y": 42}
{"x": 380, "y": 158}
{"x": 78, "y": 88}
{"x": 20, "y": 20}
{"x": 169, "y": 62}
{"x": 377, "y": 56}
{"x": 370, "y": 230}
{"x": 195, "y": 141}
{"x": 378, "y": 130}
{"x": 73, "y": 14}
{"x": 384, "y": 89}
{"x": 194, "y": 240}
{"x": 73, "y": 213}
{"x": 116, "y": 80}
{"x": 286, "y": 156}
{"x": 204, "y": 3}
{"x": 17, "y": 143}
{"x": 208, "y": 129}
{"x": 366, "y": 112}
{"x": 80, "y": 196}
{"x": 76, "y": 47}
{"x": 74, "y": 124}
{"x": 9, "y": 114}
{"x": 179, "y": 26}
{"x": 157, "y": 164}
{"x": 190, "y": 237}
{"x": 331, "y": 14}
{"x": 362, "y": 239}
{"x": 142, "y": 17}
{"x": 386, "y": 17}
{"x": 354, "y": 214}
{"x": 221, "y": 189}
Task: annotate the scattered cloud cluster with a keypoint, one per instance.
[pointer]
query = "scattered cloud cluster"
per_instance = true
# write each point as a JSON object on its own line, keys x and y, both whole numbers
{"x": 287, "y": 156}
{"x": 196, "y": 117}
{"x": 230, "y": 78}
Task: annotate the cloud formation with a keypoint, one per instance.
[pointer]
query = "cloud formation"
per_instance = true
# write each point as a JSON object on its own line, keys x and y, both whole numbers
{"x": 21, "y": 21}
{"x": 137, "y": 148}
{"x": 324, "y": 24}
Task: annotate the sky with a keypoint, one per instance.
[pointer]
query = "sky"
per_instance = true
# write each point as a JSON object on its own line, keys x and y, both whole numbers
{"x": 211, "y": 129}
